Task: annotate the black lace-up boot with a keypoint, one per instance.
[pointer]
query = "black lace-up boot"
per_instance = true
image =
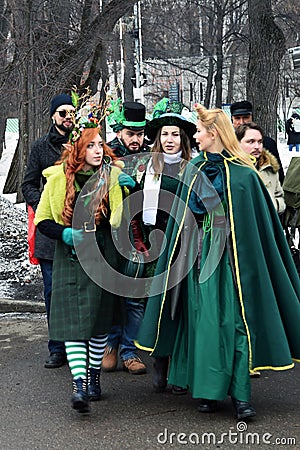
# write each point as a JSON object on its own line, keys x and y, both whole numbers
{"x": 80, "y": 399}
{"x": 94, "y": 389}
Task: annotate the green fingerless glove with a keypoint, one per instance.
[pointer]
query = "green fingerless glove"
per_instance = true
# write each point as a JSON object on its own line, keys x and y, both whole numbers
{"x": 126, "y": 180}
{"x": 69, "y": 236}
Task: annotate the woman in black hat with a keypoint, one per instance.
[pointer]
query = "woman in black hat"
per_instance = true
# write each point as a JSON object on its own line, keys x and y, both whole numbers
{"x": 172, "y": 137}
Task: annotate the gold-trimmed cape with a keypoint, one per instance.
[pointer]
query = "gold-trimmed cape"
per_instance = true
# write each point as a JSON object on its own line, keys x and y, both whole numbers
{"x": 266, "y": 280}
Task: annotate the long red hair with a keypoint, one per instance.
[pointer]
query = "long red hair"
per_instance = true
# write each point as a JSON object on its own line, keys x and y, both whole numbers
{"x": 73, "y": 158}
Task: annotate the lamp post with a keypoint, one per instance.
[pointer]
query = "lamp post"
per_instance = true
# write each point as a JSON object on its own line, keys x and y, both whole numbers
{"x": 122, "y": 63}
{"x": 139, "y": 79}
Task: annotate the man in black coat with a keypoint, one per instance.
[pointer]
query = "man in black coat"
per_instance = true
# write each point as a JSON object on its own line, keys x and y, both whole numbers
{"x": 292, "y": 128}
{"x": 44, "y": 153}
{"x": 242, "y": 112}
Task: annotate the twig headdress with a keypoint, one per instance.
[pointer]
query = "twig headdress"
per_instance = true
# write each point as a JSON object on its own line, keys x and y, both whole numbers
{"x": 87, "y": 114}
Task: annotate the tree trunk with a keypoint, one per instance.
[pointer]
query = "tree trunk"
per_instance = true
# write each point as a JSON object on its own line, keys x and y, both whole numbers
{"x": 267, "y": 47}
{"x": 232, "y": 67}
{"x": 208, "y": 92}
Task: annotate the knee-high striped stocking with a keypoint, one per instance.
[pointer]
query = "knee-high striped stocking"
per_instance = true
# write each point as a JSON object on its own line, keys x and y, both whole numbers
{"x": 96, "y": 350}
{"x": 77, "y": 358}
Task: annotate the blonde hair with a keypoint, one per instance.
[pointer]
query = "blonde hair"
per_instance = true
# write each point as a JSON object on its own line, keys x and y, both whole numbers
{"x": 217, "y": 119}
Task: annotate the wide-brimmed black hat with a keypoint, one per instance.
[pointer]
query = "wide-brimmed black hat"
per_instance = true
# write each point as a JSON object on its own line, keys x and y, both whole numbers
{"x": 243, "y": 107}
{"x": 166, "y": 119}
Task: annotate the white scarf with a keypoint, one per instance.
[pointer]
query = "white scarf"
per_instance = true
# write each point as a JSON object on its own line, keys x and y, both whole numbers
{"x": 152, "y": 188}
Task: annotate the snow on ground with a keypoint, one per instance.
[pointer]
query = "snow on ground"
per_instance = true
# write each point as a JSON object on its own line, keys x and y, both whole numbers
{"x": 18, "y": 278}
{"x": 285, "y": 154}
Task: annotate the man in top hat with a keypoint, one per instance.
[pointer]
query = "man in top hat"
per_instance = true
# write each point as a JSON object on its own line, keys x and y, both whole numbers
{"x": 129, "y": 129}
{"x": 242, "y": 112}
{"x": 45, "y": 151}
{"x": 129, "y": 141}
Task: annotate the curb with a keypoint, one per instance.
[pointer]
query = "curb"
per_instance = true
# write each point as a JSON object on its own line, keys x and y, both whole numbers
{"x": 23, "y": 306}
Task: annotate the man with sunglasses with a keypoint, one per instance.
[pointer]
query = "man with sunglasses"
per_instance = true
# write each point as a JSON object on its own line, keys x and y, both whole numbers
{"x": 44, "y": 153}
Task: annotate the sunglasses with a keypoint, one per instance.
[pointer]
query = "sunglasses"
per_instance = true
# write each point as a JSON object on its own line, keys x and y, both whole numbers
{"x": 64, "y": 112}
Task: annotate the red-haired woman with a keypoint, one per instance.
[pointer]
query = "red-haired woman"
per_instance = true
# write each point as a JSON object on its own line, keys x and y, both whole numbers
{"x": 79, "y": 211}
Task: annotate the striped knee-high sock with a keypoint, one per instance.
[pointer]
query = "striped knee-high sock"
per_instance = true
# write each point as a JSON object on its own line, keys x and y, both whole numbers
{"x": 77, "y": 358}
{"x": 96, "y": 350}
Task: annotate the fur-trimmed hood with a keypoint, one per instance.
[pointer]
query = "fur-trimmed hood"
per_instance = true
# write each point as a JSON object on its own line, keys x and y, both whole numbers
{"x": 266, "y": 159}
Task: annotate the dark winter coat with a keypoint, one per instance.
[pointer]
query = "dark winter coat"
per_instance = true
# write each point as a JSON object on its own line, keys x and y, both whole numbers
{"x": 44, "y": 153}
{"x": 293, "y": 136}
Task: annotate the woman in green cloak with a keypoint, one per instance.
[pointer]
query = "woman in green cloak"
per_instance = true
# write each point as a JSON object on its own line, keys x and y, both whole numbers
{"x": 238, "y": 308}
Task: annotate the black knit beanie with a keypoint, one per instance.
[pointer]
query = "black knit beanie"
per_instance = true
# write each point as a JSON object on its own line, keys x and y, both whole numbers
{"x": 58, "y": 100}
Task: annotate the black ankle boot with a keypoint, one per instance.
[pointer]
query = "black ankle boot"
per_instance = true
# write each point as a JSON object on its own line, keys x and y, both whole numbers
{"x": 207, "y": 406}
{"x": 80, "y": 399}
{"x": 159, "y": 380}
{"x": 243, "y": 409}
{"x": 94, "y": 389}
{"x": 177, "y": 390}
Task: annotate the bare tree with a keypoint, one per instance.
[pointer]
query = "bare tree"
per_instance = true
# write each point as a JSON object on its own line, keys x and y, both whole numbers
{"x": 46, "y": 47}
{"x": 267, "y": 47}
{"x": 207, "y": 31}
{"x": 52, "y": 45}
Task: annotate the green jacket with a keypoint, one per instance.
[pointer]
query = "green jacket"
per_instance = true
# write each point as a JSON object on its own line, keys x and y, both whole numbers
{"x": 265, "y": 276}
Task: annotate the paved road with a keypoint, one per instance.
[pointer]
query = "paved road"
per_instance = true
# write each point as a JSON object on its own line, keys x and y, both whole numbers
{"x": 36, "y": 413}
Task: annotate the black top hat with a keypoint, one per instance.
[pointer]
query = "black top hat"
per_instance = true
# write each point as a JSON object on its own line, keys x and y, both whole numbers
{"x": 243, "y": 107}
{"x": 134, "y": 116}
